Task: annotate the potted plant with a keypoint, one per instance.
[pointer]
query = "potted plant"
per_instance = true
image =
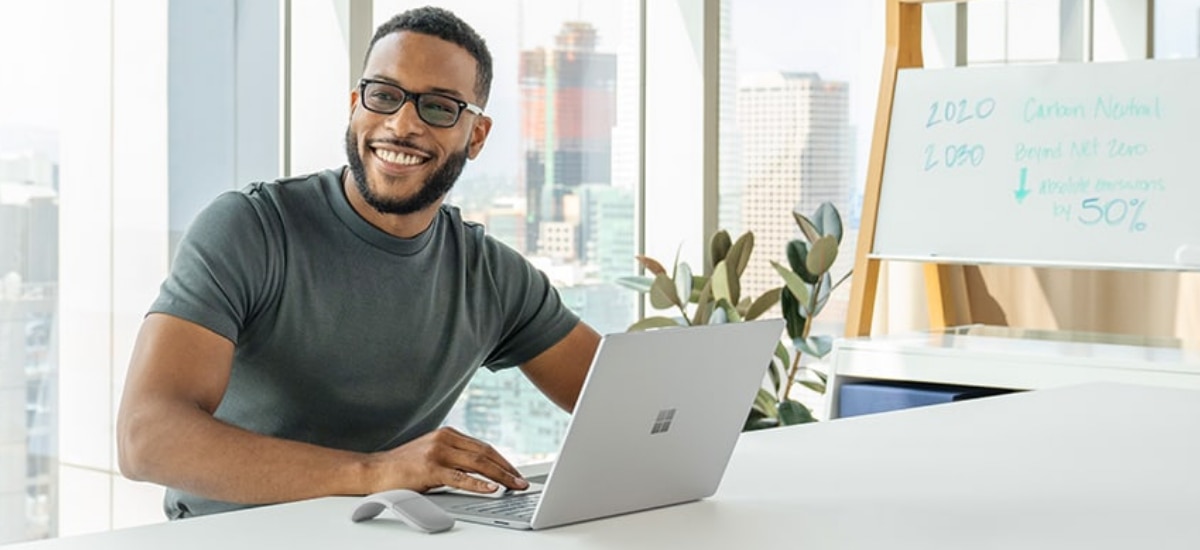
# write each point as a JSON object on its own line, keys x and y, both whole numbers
{"x": 718, "y": 298}
{"x": 808, "y": 284}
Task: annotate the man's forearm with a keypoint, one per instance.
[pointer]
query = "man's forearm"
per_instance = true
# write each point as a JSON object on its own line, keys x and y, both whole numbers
{"x": 184, "y": 447}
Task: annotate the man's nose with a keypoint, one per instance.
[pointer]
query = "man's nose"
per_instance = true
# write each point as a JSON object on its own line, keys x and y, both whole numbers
{"x": 406, "y": 121}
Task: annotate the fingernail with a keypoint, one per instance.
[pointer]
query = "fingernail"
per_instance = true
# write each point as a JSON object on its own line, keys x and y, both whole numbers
{"x": 492, "y": 487}
{"x": 523, "y": 483}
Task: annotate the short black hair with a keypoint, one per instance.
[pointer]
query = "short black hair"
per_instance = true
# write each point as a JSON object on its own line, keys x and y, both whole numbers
{"x": 447, "y": 26}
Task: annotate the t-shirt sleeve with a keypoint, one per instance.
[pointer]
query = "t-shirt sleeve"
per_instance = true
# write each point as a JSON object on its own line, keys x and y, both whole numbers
{"x": 218, "y": 275}
{"x": 534, "y": 316}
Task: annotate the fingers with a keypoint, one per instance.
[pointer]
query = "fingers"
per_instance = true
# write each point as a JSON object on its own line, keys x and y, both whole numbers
{"x": 477, "y": 473}
{"x": 463, "y": 455}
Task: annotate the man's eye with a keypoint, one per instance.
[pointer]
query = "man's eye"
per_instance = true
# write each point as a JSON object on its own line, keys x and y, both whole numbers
{"x": 385, "y": 96}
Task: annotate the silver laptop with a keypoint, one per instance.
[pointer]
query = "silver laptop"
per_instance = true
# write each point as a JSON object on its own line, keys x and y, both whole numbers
{"x": 655, "y": 424}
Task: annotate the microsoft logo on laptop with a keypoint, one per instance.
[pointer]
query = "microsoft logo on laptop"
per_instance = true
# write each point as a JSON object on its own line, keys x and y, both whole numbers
{"x": 663, "y": 423}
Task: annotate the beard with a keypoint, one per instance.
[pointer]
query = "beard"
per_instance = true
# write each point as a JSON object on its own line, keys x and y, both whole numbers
{"x": 432, "y": 190}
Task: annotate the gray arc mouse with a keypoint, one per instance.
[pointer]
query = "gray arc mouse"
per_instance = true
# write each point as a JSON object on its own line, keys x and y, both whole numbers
{"x": 411, "y": 507}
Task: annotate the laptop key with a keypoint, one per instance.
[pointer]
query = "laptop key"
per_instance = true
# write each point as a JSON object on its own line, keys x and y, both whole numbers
{"x": 520, "y": 505}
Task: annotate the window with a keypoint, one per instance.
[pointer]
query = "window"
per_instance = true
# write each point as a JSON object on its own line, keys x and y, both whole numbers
{"x": 799, "y": 82}
{"x": 30, "y": 125}
{"x": 556, "y": 181}
{"x": 1176, "y": 29}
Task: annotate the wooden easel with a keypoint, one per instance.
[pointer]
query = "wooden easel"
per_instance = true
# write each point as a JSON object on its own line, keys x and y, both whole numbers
{"x": 902, "y": 51}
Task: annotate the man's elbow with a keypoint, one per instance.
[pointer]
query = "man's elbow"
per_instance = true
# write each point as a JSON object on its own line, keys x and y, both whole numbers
{"x": 133, "y": 448}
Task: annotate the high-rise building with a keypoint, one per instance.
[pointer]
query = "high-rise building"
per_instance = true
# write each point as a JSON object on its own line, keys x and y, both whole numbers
{"x": 505, "y": 220}
{"x": 29, "y": 167}
{"x": 28, "y": 363}
{"x": 568, "y": 111}
{"x": 607, "y": 230}
{"x": 795, "y": 155}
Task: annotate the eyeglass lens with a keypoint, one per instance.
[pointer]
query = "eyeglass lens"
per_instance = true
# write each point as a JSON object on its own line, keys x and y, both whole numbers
{"x": 434, "y": 109}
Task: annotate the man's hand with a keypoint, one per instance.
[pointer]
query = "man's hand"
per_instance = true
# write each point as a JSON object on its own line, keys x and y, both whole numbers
{"x": 443, "y": 457}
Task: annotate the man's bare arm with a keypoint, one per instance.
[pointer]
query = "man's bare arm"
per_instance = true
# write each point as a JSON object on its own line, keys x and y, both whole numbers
{"x": 559, "y": 372}
{"x": 166, "y": 434}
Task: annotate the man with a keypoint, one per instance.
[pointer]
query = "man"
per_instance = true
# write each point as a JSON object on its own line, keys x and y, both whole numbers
{"x": 314, "y": 332}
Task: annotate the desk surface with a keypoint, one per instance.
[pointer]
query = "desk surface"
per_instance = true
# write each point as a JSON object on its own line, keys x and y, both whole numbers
{"x": 1097, "y": 466}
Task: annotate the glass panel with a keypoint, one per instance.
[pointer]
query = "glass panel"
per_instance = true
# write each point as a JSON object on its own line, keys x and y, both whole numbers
{"x": 1008, "y": 31}
{"x": 30, "y": 124}
{"x": 557, "y": 180}
{"x": 799, "y": 114}
{"x": 1176, "y": 29}
{"x": 796, "y": 120}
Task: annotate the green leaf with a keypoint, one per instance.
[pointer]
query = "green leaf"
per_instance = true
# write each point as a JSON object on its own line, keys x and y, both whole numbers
{"x": 731, "y": 313}
{"x": 753, "y": 420}
{"x": 720, "y": 282}
{"x": 653, "y": 322}
{"x": 794, "y": 283}
{"x": 739, "y": 254}
{"x": 807, "y": 227}
{"x": 636, "y": 282}
{"x": 815, "y": 346}
{"x": 826, "y": 287}
{"x": 814, "y": 386}
{"x": 651, "y": 265}
{"x": 764, "y": 303}
{"x": 698, "y": 283}
{"x": 662, "y": 293}
{"x": 797, "y": 253}
{"x": 781, "y": 353}
{"x": 822, "y": 255}
{"x": 719, "y": 245}
{"x": 683, "y": 280}
{"x": 756, "y": 422}
{"x": 776, "y": 377}
{"x": 704, "y": 305}
{"x": 793, "y": 313}
{"x": 794, "y": 412}
{"x": 675, "y": 264}
{"x": 718, "y": 316}
{"x": 735, "y": 284}
{"x": 764, "y": 403}
{"x": 820, "y": 346}
{"x": 828, "y": 221}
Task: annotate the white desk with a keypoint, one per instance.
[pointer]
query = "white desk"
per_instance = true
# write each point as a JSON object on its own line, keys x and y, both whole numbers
{"x": 1011, "y": 358}
{"x": 1098, "y": 466}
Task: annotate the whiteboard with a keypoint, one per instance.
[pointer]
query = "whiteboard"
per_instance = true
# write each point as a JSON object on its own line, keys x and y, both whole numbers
{"x": 1071, "y": 165}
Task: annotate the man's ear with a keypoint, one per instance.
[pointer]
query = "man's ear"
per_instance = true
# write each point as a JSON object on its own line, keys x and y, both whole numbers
{"x": 479, "y": 134}
{"x": 353, "y": 101}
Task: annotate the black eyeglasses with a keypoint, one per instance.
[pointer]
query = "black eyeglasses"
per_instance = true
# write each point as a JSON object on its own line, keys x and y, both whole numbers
{"x": 435, "y": 109}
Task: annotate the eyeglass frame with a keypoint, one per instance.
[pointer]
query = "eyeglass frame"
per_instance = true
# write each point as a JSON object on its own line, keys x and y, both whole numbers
{"x": 415, "y": 98}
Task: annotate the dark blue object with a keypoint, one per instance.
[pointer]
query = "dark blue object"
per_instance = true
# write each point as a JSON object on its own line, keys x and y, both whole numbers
{"x": 857, "y": 398}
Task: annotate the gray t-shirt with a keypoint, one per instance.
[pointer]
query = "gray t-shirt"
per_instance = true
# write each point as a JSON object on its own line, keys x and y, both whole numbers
{"x": 348, "y": 337}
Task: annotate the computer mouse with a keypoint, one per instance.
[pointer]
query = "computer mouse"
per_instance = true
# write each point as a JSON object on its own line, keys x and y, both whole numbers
{"x": 411, "y": 507}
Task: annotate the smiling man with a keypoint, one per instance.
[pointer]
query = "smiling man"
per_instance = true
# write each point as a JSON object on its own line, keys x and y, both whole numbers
{"x": 314, "y": 332}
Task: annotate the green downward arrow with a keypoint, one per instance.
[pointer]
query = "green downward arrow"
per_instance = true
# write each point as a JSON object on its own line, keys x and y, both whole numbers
{"x": 1022, "y": 191}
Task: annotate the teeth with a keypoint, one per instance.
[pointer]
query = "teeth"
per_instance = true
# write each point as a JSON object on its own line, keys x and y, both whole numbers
{"x": 398, "y": 158}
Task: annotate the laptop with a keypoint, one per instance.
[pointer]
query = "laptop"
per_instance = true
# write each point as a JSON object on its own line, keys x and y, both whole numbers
{"x": 655, "y": 425}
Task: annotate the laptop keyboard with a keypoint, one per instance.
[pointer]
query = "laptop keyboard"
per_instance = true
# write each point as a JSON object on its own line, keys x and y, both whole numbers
{"x": 521, "y": 506}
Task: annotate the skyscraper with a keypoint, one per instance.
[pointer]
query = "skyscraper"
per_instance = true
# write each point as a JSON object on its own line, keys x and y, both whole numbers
{"x": 795, "y": 155}
{"x": 567, "y": 111}
{"x": 28, "y": 362}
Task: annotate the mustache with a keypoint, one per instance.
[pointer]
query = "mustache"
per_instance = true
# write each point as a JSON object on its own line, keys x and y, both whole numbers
{"x": 399, "y": 143}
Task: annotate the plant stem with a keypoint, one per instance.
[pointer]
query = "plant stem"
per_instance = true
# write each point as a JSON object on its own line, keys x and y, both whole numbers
{"x": 808, "y": 322}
